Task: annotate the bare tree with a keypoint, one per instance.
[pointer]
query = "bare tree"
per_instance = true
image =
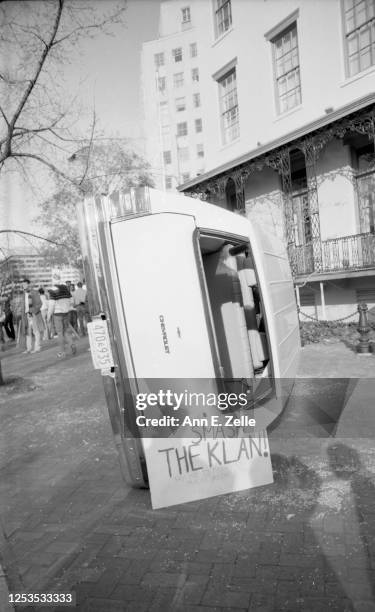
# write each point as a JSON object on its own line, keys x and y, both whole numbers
{"x": 37, "y": 39}
{"x": 103, "y": 167}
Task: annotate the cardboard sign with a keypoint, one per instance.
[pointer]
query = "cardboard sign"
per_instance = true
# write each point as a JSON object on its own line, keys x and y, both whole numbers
{"x": 187, "y": 469}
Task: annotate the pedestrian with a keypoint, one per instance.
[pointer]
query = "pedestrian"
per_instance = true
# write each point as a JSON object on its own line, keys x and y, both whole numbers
{"x": 50, "y": 322}
{"x": 32, "y": 317}
{"x": 62, "y": 301}
{"x": 44, "y": 311}
{"x": 72, "y": 310}
{"x": 17, "y": 305}
{"x": 2, "y": 319}
{"x": 79, "y": 302}
{"x": 8, "y": 321}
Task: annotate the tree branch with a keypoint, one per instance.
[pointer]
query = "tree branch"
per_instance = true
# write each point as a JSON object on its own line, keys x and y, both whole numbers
{"x": 93, "y": 26}
{"x": 49, "y": 165}
{"x": 33, "y": 235}
{"x": 33, "y": 80}
{"x": 89, "y": 148}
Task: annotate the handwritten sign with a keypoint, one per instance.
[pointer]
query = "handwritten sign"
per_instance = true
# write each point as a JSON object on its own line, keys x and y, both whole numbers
{"x": 182, "y": 470}
{"x": 100, "y": 345}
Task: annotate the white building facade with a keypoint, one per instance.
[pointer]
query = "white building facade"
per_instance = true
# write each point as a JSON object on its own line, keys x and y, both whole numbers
{"x": 288, "y": 109}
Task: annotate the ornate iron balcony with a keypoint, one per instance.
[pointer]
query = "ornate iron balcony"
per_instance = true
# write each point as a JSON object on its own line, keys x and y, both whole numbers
{"x": 356, "y": 252}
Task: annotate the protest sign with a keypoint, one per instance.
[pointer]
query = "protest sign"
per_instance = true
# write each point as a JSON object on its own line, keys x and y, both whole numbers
{"x": 187, "y": 469}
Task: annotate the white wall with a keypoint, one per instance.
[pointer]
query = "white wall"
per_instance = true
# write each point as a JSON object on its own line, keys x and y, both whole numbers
{"x": 336, "y": 192}
{"x": 323, "y": 81}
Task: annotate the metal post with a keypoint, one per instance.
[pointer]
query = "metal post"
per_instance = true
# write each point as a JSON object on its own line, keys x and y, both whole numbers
{"x": 322, "y": 300}
{"x": 298, "y": 296}
{"x": 363, "y": 346}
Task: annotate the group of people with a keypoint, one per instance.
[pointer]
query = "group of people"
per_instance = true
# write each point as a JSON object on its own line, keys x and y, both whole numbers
{"x": 60, "y": 312}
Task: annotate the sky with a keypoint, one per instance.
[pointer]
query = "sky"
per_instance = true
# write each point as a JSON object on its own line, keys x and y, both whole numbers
{"x": 112, "y": 67}
{"x": 107, "y": 71}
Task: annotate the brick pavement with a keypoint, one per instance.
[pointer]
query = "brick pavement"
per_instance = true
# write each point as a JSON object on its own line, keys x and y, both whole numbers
{"x": 304, "y": 543}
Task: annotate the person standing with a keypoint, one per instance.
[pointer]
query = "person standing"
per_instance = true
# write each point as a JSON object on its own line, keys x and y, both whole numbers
{"x": 62, "y": 302}
{"x": 8, "y": 321}
{"x": 50, "y": 321}
{"x": 33, "y": 317}
{"x": 44, "y": 310}
{"x": 18, "y": 309}
{"x": 79, "y": 302}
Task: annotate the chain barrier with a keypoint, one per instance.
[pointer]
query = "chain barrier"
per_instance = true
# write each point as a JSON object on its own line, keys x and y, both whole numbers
{"x": 326, "y": 320}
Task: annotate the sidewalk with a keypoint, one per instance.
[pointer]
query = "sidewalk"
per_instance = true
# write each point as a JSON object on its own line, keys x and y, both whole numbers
{"x": 304, "y": 543}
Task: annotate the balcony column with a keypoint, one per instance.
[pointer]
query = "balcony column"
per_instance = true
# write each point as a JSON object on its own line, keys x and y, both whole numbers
{"x": 280, "y": 161}
{"x": 240, "y": 177}
{"x": 311, "y": 148}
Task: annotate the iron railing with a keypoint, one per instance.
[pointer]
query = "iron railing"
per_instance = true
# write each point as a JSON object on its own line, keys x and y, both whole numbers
{"x": 354, "y": 252}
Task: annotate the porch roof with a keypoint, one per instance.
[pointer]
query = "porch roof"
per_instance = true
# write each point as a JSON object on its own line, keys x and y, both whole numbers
{"x": 308, "y": 128}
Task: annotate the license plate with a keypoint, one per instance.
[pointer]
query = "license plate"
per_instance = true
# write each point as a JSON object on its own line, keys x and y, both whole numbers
{"x": 100, "y": 345}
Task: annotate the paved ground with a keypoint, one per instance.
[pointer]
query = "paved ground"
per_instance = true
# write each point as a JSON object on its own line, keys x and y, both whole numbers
{"x": 70, "y": 524}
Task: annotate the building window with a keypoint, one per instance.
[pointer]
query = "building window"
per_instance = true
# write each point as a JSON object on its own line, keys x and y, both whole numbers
{"x": 359, "y": 18}
{"x": 182, "y": 129}
{"x": 198, "y": 125}
{"x": 180, "y": 104}
{"x": 229, "y": 106}
{"x": 159, "y": 59}
{"x": 164, "y": 113}
{"x": 196, "y": 100}
{"x": 223, "y": 16}
{"x": 183, "y": 154}
{"x": 286, "y": 69}
{"x": 168, "y": 182}
{"x": 177, "y": 54}
{"x": 178, "y": 79}
{"x": 185, "y": 177}
{"x": 193, "y": 50}
{"x": 167, "y": 157}
{"x": 186, "y": 14}
{"x": 200, "y": 150}
{"x": 195, "y": 75}
{"x": 161, "y": 83}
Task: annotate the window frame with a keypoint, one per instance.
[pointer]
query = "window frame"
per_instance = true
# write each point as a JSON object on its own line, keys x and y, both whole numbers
{"x": 182, "y": 104}
{"x": 357, "y": 29}
{"x": 162, "y": 79}
{"x": 183, "y": 132}
{"x": 200, "y": 150}
{"x": 194, "y": 46}
{"x": 198, "y": 122}
{"x": 196, "y": 98}
{"x": 218, "y": 7}
{"x": 159, "y": 54}
{"x": 183, "y": 20}
{"x": 195, "y": 75}
{"x": 278, "y": 96}
{"x": 227, "y": 130}
{"x": 176, "y": 83}
{"x": 177, "y": 53}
